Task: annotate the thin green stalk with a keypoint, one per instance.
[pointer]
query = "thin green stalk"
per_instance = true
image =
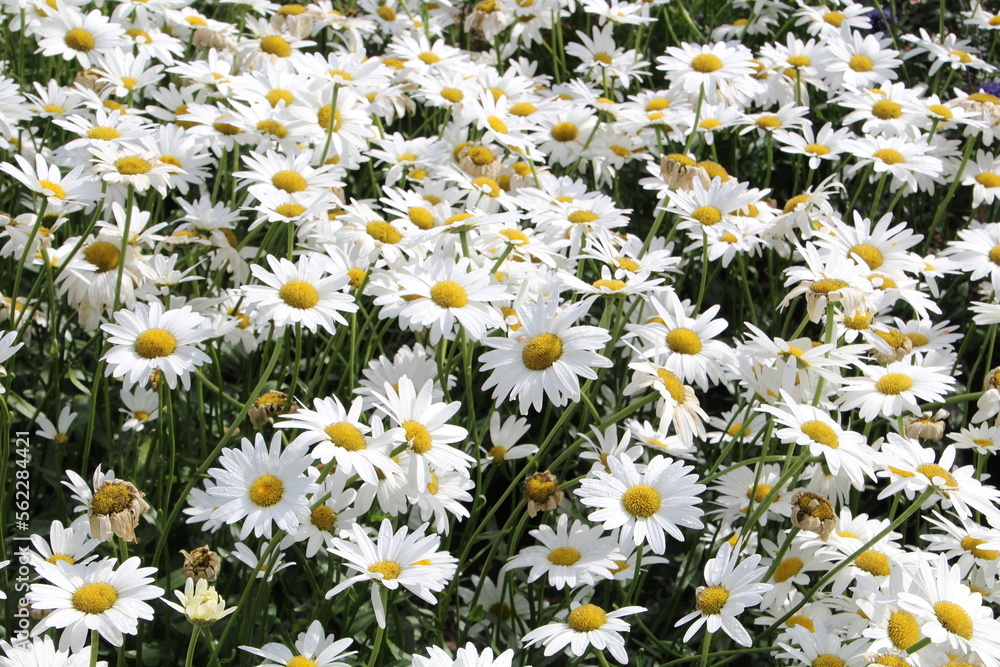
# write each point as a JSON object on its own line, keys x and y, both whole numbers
{"x": 195, "y": 631}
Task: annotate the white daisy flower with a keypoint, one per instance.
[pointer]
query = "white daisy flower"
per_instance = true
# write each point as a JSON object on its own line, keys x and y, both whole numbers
{"x": 339, "y": 435}
{"x": 730, "y": 588}
{"x": 571, "y": 555}
{"x": 71, "y": 544}
{"x": 313, "y": 647}
{"x": 504, "y": 439}
{"x": 661, "y": 499}
{"x": 151, "y": 339}
{"x": 393, "y": 560}
{"x": 300, "y": 293}
{"x": 93, "y": 596}
{"x": 546, "y": 356}
{"x": 586, "y": 625}
{"x": 263, "y": 485}
{"x": 889, "y": 391}
{"x": 950, "y": 612}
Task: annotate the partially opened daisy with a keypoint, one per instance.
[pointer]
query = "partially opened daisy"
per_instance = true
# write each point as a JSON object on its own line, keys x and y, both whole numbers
{"x": 301, "y": 293}
{"x": 661, "y": 499}
{"x": 313, "y": 648}
{"x": 395, "y": 559}
{"x": 546, "y": 356}
{"x": 587, "y": 625}
{"x": 731, "y": 587}
{"x": 262, "y": 485}
{"x": 153, "y": 339}
{"x": 93, "y": 596}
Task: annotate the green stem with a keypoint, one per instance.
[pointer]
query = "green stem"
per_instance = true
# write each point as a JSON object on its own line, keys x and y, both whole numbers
{"x": 195, "y": 631}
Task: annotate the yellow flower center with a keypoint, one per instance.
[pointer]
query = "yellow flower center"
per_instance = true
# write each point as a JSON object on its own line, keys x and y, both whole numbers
{"x": 641, "y": 501}
{"x": 266, "y": 490}
{"x": 834, "y": 18}
{"x": 586, "y": 618}
{"x": 111, "y": 499}
{"x": 822, "y": 433}
{"x": 565, "y": 132}
{"x": 931, "y": 471}
{"x": 300, "y": 660}
{"x": 564, "y": 556}
{"x": 768, "y": 122}
{"x": 521, "y": 110}
{"x": 787, "y": 569}
{"x": 276, "y": 46}
{"x": 387, "y": 568}
{"x": 155, "y": 343}
{"x": 954, "y": 619}
{"x": 541, "y": 352}
{"x": 903, "y": 629}
{"x": 889, "y": 156}
{"x": 289, "y": 181}
{"x": 290, "y": 210}
{"x": 418, "y": 436}
{"x": 816, "y": 149}
{"x": 683, "y": 341}
{"x": 710, "y": 123}
{"x": 94, "y": 598}
{"x": 79, "y": 39}
{"x": 383, "y": 232}
{"x": 487, "y": 185}
{"x": 103, "y": 133}
{"x": 892, "y": 384}
{"x": 481, "y": 155}
{"x": 357, "y": 276}
{"x": 860, "y": 63}
{"x": 514, "y": 236}
{"x": 273, "y": 128}
{"x": 711, "y": 599}
{"x": 223, "y": 127}
{"x": 276, "y": 95}
{"x": 449, "y": 294}
{"x": 971, "y": 544}
{"x": 55, "y": 558}
{"x": 386, "y": 13}
{"x": 962, "y": 56}
{"x": 760, "y": 493}
{"x": 801, "y": 622}
{"x": 869, "y": 253}
{"x": 299, "y": 294}
{"x": 323, "y": 518}
{"x": 827, "y": 285}
{"x": 453, "y": 95}
{"x": 132, "y": 166}
{"x": 799, "y": 61}
{"x": 706, "y": 63}
{"x": 873, "y": 562}
{"x": 346, "y": 435}
{"x": 673, "y": 384}
{"x": 429, "y": 58}
{"x": 498, "y": 453}
{"x": 707, "y": 215}
{"x": 887, "y": 110}
{"x": 613, "y": 284}
{"x": 828, "y": 660}
{"x": 103, "y": 255}
{"x": 988, "y": 180}
{"x": 329, "y": 118}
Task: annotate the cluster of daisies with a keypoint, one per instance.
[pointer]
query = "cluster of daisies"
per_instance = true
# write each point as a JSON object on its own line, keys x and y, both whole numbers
{"x": 418, "y": 235}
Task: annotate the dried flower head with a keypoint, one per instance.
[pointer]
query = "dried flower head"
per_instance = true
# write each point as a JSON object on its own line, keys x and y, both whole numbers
{"x": 269, "y": 405}
{"x": 894, "y": 347}
{"x": 542, "y": 492}
{"x": 680, "y": 173}
{"x": 992, "y": 379}
{"x": 814, "y": 513}
{"x": 115, "y": 508}
{"x": 201, "y": 563}
{"x": 927, "y": 426}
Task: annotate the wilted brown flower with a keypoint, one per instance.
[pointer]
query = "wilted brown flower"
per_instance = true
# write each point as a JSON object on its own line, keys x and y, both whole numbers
{"x": 897, "y": 346}
{"x": 814, "y": 513}
{"x": 201, "y": 563}
{"x": 268, "y": 405}
{"x": 542, "y": 492}
{"x": 115, "y": 508}
{"x": 680, "y": 172}
{"x": 927, "y": 426}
